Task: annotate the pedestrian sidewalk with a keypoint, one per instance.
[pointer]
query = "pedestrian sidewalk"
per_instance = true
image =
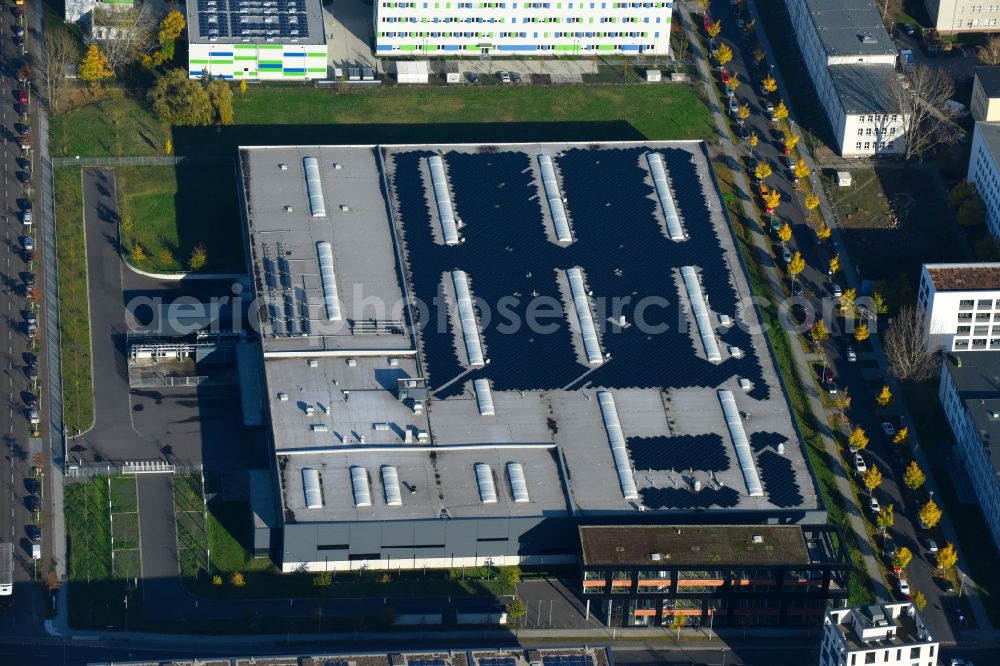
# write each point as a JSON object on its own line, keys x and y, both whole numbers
{"x": 847, "y": 499}
{"x": 852, "y": 276}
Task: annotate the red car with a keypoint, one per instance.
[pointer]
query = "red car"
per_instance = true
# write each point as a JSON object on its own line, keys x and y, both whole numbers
{"x": 706, "y": 21}
{"x": 22, "y": 96}
{"x": 725, "y": 78}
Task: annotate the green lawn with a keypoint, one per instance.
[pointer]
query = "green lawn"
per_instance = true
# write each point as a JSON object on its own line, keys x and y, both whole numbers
{"x": 170, "y": 210}
{"x": 114, "y": 126}
{"x": 74, "y": 317}
{"x": 187, "y": 492}
{"x": 128, "y": 564}
{"x": 125, "y": 527}
{"x": 88, "y": 530}
{"x": 125, "y": 126}
{"x": 658, "y": 112}
{"x": 123, "y": 494}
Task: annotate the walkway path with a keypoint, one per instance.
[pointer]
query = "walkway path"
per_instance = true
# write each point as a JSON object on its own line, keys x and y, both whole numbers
{"x": 770, "y": 272}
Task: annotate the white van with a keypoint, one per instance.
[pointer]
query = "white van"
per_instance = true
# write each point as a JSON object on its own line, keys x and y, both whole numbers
{"x": 36, "y": 551}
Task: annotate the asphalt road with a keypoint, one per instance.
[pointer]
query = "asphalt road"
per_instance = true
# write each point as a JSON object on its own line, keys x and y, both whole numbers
{"x": 817, "y": 289}
{"x": 14, "y": 344}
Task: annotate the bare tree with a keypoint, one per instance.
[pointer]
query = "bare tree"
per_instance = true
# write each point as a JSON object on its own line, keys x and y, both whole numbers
{"x": 921, "y": 97}
{"x": 906, "y": 346}
{"x": 59, "y": 53}
{"x": 124, "y": 33}
{"x": 989, "y": 53}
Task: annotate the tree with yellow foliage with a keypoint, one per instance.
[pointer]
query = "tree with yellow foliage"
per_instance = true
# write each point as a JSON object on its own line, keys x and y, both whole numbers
{"x": 714, "y": 29}
{"x": 930, "y": 514}
{"x": 823, "y": 231}
{"x": 857, "y": 440}
{"x": 861, "y": 333}
{"x": 801, "y": 170}
{"x": 785, "y": 233}
{"x": 781, "y": 111}
{"x": 884, "y": 397}
{"x": 723, "y": 54}
{"x": 770, "y": 85}
{"x": 95, "y": 67}
{"x": 762, "y": 171}
{"x": 834, "y": 266}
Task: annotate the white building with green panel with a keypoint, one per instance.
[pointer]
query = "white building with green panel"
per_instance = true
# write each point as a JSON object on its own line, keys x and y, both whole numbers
{"x": 276, "y": 40}
{"x": 521, "y": 28}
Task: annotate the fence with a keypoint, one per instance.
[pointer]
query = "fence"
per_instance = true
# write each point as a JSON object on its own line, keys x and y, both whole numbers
{"x": 80, "y": 469}
{"x": 162, "y": 160}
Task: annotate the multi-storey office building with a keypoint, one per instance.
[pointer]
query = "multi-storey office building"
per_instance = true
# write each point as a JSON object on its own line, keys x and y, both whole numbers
{"x": 762, "y": 575}
{"x": 951, "y": 16}
{"x": 961, "y": 306}
{"x": 851, "y": 60}
{"x": 573, "y": 27}
{"x": 984, "y": 171}
{"x": 886, "y": 634}
{"x": 985, "y": 104}
{"x": 279, "y": 40}
{"x": 970, "y": 395}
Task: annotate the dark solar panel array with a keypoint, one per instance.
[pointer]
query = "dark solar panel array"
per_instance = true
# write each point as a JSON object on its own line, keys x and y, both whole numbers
{"x": 497, "y": 661}
{"x": 619, "y": 245}
{"x": 778, "y": 477}
{"x": 568, "y": 660}
{"x": 253, "y": 19}
{"x": 702, "y": 452}
{"x": 425, "y": 662}
{"x": 682, "y": 498}
{"x": 766, "y": 440}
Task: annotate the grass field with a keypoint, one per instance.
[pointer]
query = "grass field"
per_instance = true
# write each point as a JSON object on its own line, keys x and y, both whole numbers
{"x": 192, "y": 537}
{"x": 125, "y": 527}
{"x": 123, "y": 494}
{"x": 88, "y": 530}
{"x": 170, "y": 210}
{"x": 74, "y": 317}
{"x": 125, "y": 126}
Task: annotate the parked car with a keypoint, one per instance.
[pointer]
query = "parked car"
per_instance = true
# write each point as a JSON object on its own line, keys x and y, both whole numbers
{"x": 22, "y": 96}
{"x": 786, "y": 255}
{"x": 831, "y": 388}
{"x": 769, "y": 106}
{"x": 932, "y": 545}
{"x": 859, "y": 464}
{"x": 788, "y": 162}
{"x": 744, "y": 132}
{"x": 960, "y": 662}
{"x": 734, "y": 106}
{"x": 27, "y": 242}
{"x": 18, "y": 31}
{"x": 30, "y": 330}
{"x": 30, "y": 317}
{"x": 837, "y": 291}
{"x": 888, "y": 429}
{"x": 26, "y": 217}
{"x": 32, "y": 416}
{"x": 852, "y": 356}
{"x": 34, "y": 533}
{"x": 515, "y": 77}
{"x": 904, "y": 587}
{"x": 907, "y": 29}
{"x": 473, "y": 78}
{"x": 503, "y": 76}
{"x": 32, "y": 503}
{"x": 31, "y": 400}
{"x": 874, "y": 505}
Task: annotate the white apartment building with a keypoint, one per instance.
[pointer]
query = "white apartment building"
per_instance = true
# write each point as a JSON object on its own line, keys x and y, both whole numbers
{"x": 961, "y": 306}
{"x": 985, "y": 104}
{"x": 984, "y": 171}
{"x": 887, "y": 635}
{"x": 950, "y": 16}
{"x": 573, "y": 27}
{"x": 852, "y": 60}
{"x": 970, "y": 395}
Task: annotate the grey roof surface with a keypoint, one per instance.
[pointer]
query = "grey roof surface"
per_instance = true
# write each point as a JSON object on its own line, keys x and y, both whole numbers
{"x": 255, "y": 21}
{"x": 989, "y": 77}
{"x": 866, "y": 88}
{"x": 850, "y": 27}
{"x": 315, "y": 372}
{"x": 364, "y": 256}
{"x": 978, "y": 384}
{"x": 990, "y": 133}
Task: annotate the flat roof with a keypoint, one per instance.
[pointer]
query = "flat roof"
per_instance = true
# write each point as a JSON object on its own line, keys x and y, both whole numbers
{"x": 257, "y": 22}
{"x": 746, "y": 545}
{"x": 337, "y": 389}
{"x": 909, "y": 626}
{"x": 978, "y": 383}
{"x": 990, "y": 133}
{"x": 850, "y": 27}
{"x": 866, "y": 88}
{"x": 981, "y": 276}
{"x": 989, "y": 78}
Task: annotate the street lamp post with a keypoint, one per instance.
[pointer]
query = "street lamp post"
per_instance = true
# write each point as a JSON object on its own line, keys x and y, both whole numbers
{"x": 723, "y": 656}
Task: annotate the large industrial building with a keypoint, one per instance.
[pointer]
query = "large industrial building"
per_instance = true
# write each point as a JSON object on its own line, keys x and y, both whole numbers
{"x": 522, "y": 28}
{"x": 276, "y": 40}
{"x": 851, "y": 60}
{"x": 471, "y": 351}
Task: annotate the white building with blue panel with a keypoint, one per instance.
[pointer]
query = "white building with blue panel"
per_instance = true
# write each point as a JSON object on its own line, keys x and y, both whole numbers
{"x": 414, "y": 28}
{"x": 277, "y": 40}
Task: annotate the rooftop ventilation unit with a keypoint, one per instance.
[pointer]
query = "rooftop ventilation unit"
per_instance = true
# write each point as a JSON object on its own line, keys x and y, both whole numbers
{"x": 484, "y": 397}
{"x": 467, "y": 319}
{"x": 581, "y": 305}
{"x": 674, "y": 229}
{"x": 518, "y": 485}
{"x": 359, "y": 483}
{"x": 744, "y": 453}
{"x": 700, "y": 311}
{"x": 329, "y": 279}
{"x": 487, "y": 490}
{"x": 310, "y": 488}
{"x": 319, "y": 427}
{"x": 390, "y": 483}
{"x": 445, "y": 209}
{"x": 554, "y": 196}
{"x": 756, "y": 538}
{"x": 617, "y": 441}
{"x": 314, "y": 186}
